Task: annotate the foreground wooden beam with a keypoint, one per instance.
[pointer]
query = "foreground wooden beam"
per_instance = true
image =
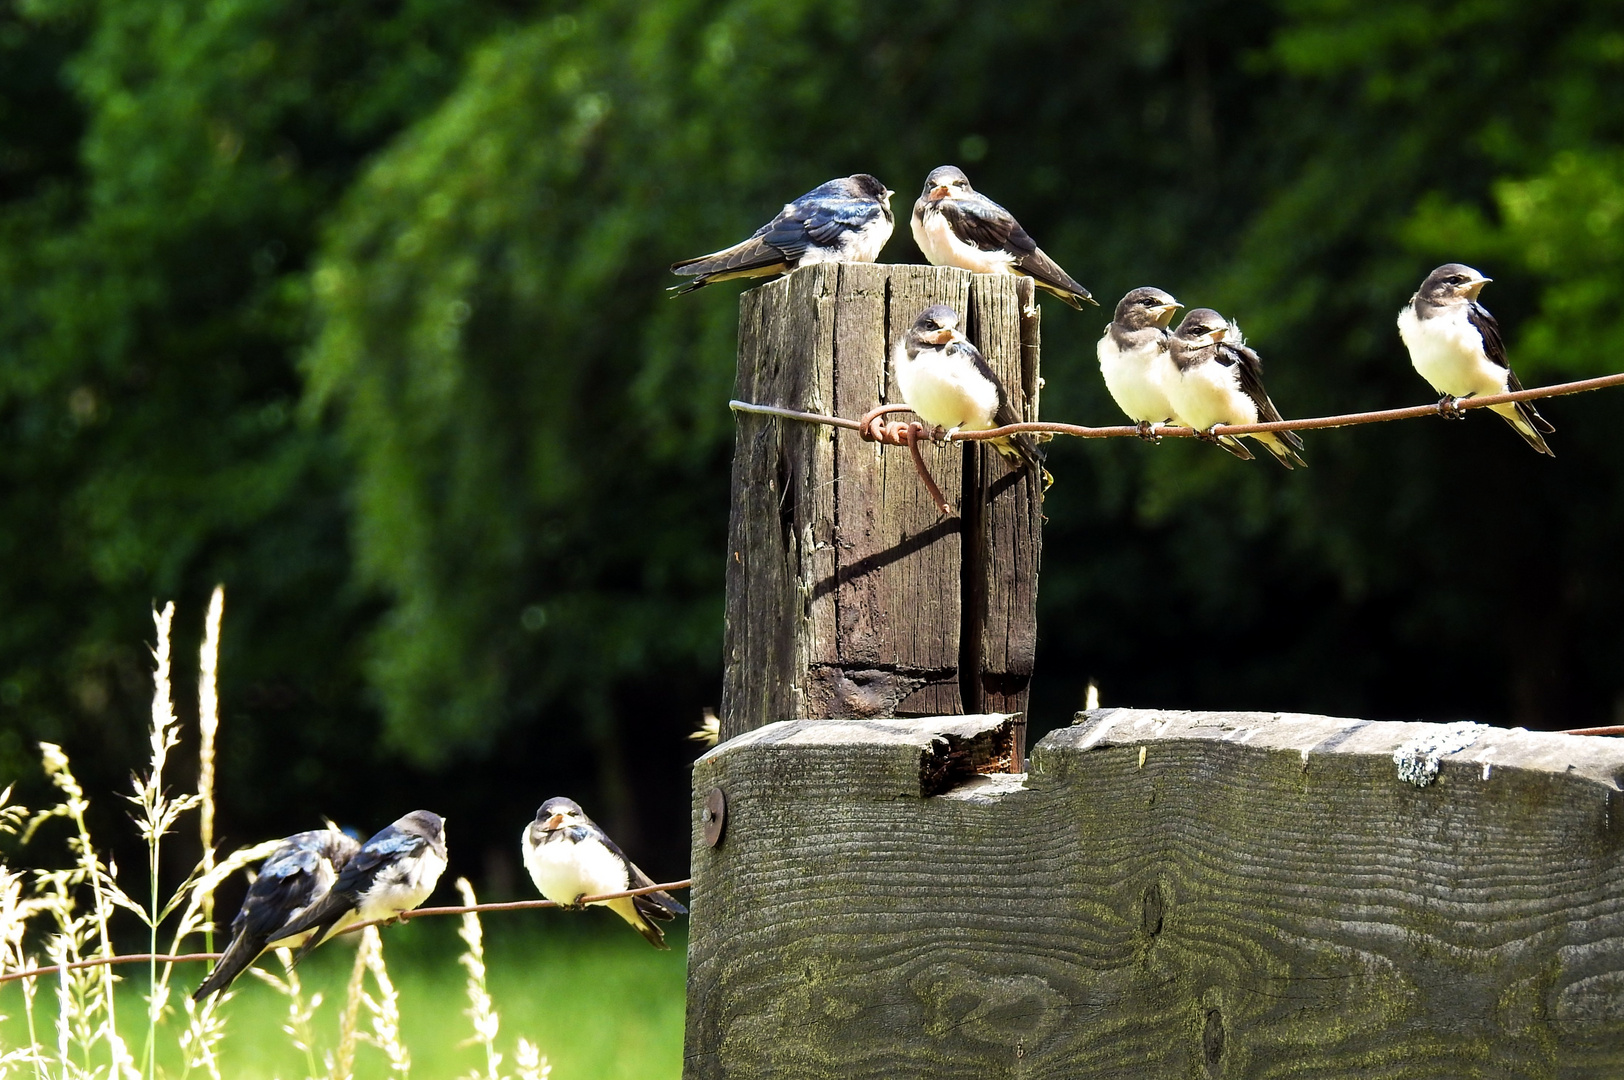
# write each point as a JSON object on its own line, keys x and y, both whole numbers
{"x": 848, "y": 594}
{"x": 1164, "y": 895}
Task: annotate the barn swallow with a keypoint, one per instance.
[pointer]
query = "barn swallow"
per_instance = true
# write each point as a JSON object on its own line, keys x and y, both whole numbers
{"x": 393, "y": 872}
{"x": 291, "y": 878}
{"x": 569, "y": 858}
{"x": 1136, "y": 357}
{"x": 845, "y": 220}
{"x": 946, "y": 381}
{"x": 1456, "y": 346}
{"x": 1220, "y": 381}
{"x": 955, "y": 225}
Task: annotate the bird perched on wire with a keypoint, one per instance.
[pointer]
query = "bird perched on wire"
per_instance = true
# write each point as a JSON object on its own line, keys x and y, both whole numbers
{"x": 1220, "y": 381}
{"x": 1136, "y": 357}
{"x": 290, "y": 879}
{"x": 393, "y": 872}
{"x": 570, "y": 858}
{"x": 845, "y": 220}
{"x": 1455, "y": 345}
{"x": 956, "y": 225}
{"x": 946, "y": 381}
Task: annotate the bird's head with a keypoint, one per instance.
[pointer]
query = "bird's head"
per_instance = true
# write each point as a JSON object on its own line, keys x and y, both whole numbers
{"x": 1146, "y": 307}
{"x": 936, "y": 325}
{"x": 866, "y": 186}
{"x": 1452, "y": 281}
{"x": 946, "y": 182}
{"x": 558, "y": 814}
{"x": 1202, "y": 327}
{"x": 430, "y": 826}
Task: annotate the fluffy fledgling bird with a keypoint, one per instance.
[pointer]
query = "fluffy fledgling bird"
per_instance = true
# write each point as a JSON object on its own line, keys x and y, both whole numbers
{"x": 945, "y": 380}
{"x": 1136, "y": 357}
{"x": 956, "y": 225}
{"x": 393, "y": 872}
{"x": 844, "y": 220}
{"x": 1220, "y": 381}
{"x": 290, "y": 879}
{"x": 569, "y": 857}
{"x": 1455, "y": 345}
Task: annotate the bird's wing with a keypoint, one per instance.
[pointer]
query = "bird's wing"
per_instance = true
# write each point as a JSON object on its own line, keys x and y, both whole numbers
{"x": 979, "y": 221}
{"x": 1251, "y": 379}
{"x": 658, "y": 905}
{"x": 286, "y": 883}
{"x": 1005, "y": 414}
{"x": 1493, "y": 346}
{"x": 822, "y": 223}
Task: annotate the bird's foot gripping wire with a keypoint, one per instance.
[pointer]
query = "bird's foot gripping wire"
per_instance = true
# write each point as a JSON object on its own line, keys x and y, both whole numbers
{"x": 1151, "y": 432}
{"x": 1208, "y": 434}
{"x": 1449, "y": 407}
{"x": 576, "y": 904}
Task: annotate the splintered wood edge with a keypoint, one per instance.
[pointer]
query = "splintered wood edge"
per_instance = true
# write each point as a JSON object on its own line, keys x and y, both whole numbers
{"x": 946, "y": 751}
{"x": 1591, "y": 758}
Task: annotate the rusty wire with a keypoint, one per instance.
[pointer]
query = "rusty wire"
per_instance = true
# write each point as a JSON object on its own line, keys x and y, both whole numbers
{"x": 895, "y": 435}
{"x": 405, "y": 916}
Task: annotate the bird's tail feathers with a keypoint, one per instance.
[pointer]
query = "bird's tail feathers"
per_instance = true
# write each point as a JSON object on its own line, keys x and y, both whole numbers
{"x": 658, "y": 905}
{"x": 1234, "y": 446}
{"x": 238, "y": 955}
{"x": 628, "y": 910}
{"x": 1284, "y": 447}
{"x": 1022, "y": 451}
{"x": 1528, "y": 423}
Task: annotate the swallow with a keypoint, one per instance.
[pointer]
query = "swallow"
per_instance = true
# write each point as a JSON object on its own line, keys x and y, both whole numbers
{"x": 290, "y": 879}
{"x": 1220, "y": 381}
{"x": 945, "y": 380}
{"x": 1455, "y": 345}
{"x": 570, "y": 858}
{"x": 393, "y": 872}
{"x": 845, "y": 220}
{"x": 1136, "y": 357}
{"x": 956, "y": 225}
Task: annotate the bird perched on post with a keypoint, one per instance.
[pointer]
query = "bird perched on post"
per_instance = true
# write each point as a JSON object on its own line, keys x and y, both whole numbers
{"x": 945, "y": 380}
{"x": 1136, "y": 357}
{"x": 393, "y": 872}
{"x": 570, "y": 858}
{"x": 290, "y": 879}
{"x": 956, "y": 225}
{"x": 1220, "y": 381}
{"x": 1455, "y": 345}
{"x": 845, "y": 220}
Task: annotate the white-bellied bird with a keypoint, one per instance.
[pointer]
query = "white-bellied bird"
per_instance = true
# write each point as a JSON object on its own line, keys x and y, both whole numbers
{"x": 1220, "y": 381}
{"x": 1136, "y": 357}
{"x": 1455, "y": 345}
{"x": 570, "y": 858}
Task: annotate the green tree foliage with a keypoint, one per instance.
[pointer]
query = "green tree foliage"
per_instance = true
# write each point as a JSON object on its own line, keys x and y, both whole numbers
{"x": 361, "y": 309}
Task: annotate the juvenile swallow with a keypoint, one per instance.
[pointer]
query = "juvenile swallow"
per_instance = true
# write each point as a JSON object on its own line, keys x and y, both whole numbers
{"x": 393, "y": 872}
{"x": 955, "y": 225}
{"x": 569, "y": 858}
{"x": 945, "y": 380}
{"x": 1220, "y": 381}
{"x": 1136, "y": 357}
{"x": 290, "y": 879}
{"x": 1456, "y": 346}
{"x": 845, "y": 220}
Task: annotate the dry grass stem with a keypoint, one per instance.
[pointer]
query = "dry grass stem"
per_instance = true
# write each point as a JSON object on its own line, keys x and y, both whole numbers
{"x": 208, "y": 722}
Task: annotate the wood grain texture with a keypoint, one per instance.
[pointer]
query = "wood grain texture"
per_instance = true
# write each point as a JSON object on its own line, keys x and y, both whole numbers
{"x": 846, "y": 589}
{"x": 1188, "y": 895}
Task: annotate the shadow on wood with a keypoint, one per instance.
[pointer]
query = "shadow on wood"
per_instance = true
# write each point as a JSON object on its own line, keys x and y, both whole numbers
{"x": 1163, "y": 895}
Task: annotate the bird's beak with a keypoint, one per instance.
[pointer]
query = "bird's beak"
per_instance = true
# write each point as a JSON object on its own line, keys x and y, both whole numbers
{"x": 942, "y": 191}
{"x": 1164, "y": 314}
{"x": 1476, "y": 287}
{"x": 1218, "y": 335}
{"x": 554, "y": 823}
{"x": 940, "y": 337}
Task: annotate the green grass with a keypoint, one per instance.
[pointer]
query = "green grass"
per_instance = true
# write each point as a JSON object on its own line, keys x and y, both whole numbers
{"x": 600, "y": 1003}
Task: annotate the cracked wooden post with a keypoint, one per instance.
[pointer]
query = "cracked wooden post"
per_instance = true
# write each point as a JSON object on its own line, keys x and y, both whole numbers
{"x": 1163, "y": 894}
{"x": 848, "y": 594}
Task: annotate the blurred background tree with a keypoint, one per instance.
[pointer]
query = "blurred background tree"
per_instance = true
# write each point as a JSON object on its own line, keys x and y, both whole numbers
{"x": 359, "y": 309}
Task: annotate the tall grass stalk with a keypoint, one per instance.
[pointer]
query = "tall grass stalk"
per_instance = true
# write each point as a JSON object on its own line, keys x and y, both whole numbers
{"x": 481, "y": 1012}
{"x": 208, "y": 722}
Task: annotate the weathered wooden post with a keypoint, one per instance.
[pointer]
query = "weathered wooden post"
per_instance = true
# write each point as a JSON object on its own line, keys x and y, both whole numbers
{"x": 848, "y": 594}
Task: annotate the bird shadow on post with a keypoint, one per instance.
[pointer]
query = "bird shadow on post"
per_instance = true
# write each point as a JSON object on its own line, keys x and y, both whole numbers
{"x": 848, "y": 594}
